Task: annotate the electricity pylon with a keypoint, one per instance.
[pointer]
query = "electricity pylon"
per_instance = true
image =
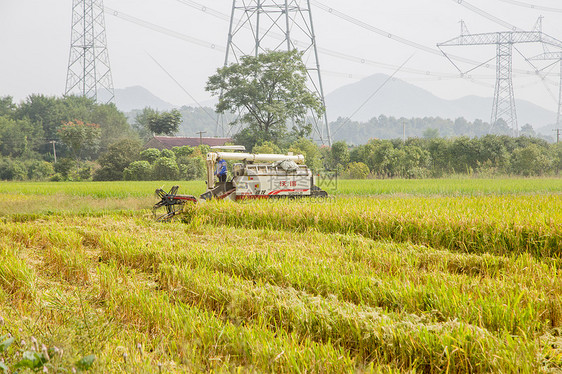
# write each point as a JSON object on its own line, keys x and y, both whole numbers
{"x": 554, "y": 56}
{"x": 257, "y": 26}
{"x": 89, "y": 71}
{"x": 504, "y": 98}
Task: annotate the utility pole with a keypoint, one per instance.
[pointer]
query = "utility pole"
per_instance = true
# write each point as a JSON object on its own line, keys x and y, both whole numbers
{"x": 53, "y": 142}
{"x": 404, "y": 130}
{"x": 558, "y": 131}
{"x": 88, "y": 64}
{"x": 201, "y": 136}
{"x": 257, "y": 26}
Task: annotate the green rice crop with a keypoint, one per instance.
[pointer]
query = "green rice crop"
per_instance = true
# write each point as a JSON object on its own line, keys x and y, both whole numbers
{"x": 447, "y": 187}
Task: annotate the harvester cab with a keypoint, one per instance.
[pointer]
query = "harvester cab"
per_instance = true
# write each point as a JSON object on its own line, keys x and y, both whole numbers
{"x": 253, "y": 176}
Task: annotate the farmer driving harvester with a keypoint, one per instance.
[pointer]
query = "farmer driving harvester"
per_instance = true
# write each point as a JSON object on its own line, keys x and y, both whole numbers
{"x": 221, "y": 169}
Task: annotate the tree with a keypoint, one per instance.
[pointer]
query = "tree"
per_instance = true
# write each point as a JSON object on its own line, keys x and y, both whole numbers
{"x": 19, "y": 138}
{"x": 270, "y": 90}
{"x": 165, "y": 123}
{"x": 46, "y": 111}
{"x": 527, "y": 130}
{"x": 141, "y": 124}
{"x": 50, "y": 113}
{"x": 266, "y": 147}
{"x": 7, "y": 106}
{"x": 191, "y": 168}
{"x": 430, "y": 133}
{"x": 339, "y": 155}
{"x": 310, "y": 151}
{"x": 80, "y": 137}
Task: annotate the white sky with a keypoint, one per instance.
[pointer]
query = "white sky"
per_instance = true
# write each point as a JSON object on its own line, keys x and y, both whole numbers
{"x": 35, "y": 43}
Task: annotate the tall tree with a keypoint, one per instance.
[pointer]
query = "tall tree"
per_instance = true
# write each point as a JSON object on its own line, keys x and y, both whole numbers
{"x": 7, "y": 106}
{"x": 270, "y": 90}
{"x": 19, "y": 138}
{"x": 140, "y": 125}
{"x": 80, "y": 137}
{"x": 165, "y": 123}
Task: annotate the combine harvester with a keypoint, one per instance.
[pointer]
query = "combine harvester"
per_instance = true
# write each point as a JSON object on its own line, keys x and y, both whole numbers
{"x": 256, "y": 176}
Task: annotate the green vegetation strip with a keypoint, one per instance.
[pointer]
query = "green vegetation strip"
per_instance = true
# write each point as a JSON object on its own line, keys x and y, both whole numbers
{"x": 424, "y": 187}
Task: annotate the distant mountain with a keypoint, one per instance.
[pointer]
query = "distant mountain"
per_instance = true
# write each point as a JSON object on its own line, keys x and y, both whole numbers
{"x": 400, "y": 99}
{"x": 137, "y": 97}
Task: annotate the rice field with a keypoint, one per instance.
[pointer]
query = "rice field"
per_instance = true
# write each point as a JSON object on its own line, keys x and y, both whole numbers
{"x": 422, "y": 278}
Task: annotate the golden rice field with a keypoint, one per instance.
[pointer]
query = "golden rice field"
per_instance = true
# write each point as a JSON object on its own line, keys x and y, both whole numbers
{"x": 430, "y": 279}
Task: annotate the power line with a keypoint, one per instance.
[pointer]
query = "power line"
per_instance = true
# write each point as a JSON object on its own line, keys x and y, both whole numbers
{"x": 180, "y": 86}
{"x": 546, "y": 39}
{"x": 340, "y": 55}
{"x": 487, "y": 15}
{"x": 381, "y": 32}
{"x": 324, "y": 51}
{"x": 163, "y": 30}
{"x": 426, "y": 74}
{"x": 532, "y": 6}
{"x": 372, "y": 95}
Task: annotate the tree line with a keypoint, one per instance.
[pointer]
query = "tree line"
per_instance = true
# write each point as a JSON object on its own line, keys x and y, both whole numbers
{"x": 96, "y": 142}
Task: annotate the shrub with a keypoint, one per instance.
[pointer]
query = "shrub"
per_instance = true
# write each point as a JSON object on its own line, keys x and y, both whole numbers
{"x": 56, "y": 178}
{"x": 165, "y": 169}
{"x": 192, "y": 168}
{"x": 40, "y": 170}
{"x": 138, "y": 171}
{"x": 12, "y": 170}
{"x": 167, "y": 153}
{"x": 117, "y": 157}
{"x": 531, "y": 160}
{"x": 64, "y": 166}
{"x": 84, "y": 173}
{"x": 357, "y": 170}
{"x": 184, "y": 151}
{"x": 150, "y": 155}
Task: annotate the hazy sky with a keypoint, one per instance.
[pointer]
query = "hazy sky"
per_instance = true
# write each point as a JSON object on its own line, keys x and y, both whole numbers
{"x": 35, "y": 42}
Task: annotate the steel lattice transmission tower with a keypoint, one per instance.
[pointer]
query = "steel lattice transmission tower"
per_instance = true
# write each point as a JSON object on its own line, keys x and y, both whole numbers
{"x": 257, "y": 26}
{"x": 504, "y": 98}
{"x": 89, "y": 72}
{"x": 557, "y": 57}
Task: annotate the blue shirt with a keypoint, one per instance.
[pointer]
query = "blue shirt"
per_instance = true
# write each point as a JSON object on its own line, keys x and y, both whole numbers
{"x": 221, "y": 167}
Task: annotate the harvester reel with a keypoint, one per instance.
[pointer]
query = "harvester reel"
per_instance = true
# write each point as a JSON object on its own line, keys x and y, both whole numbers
{"x": 170, "y": 205}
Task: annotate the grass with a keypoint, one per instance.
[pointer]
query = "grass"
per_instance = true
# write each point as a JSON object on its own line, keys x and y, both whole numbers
{"x": 465, "y": 282}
